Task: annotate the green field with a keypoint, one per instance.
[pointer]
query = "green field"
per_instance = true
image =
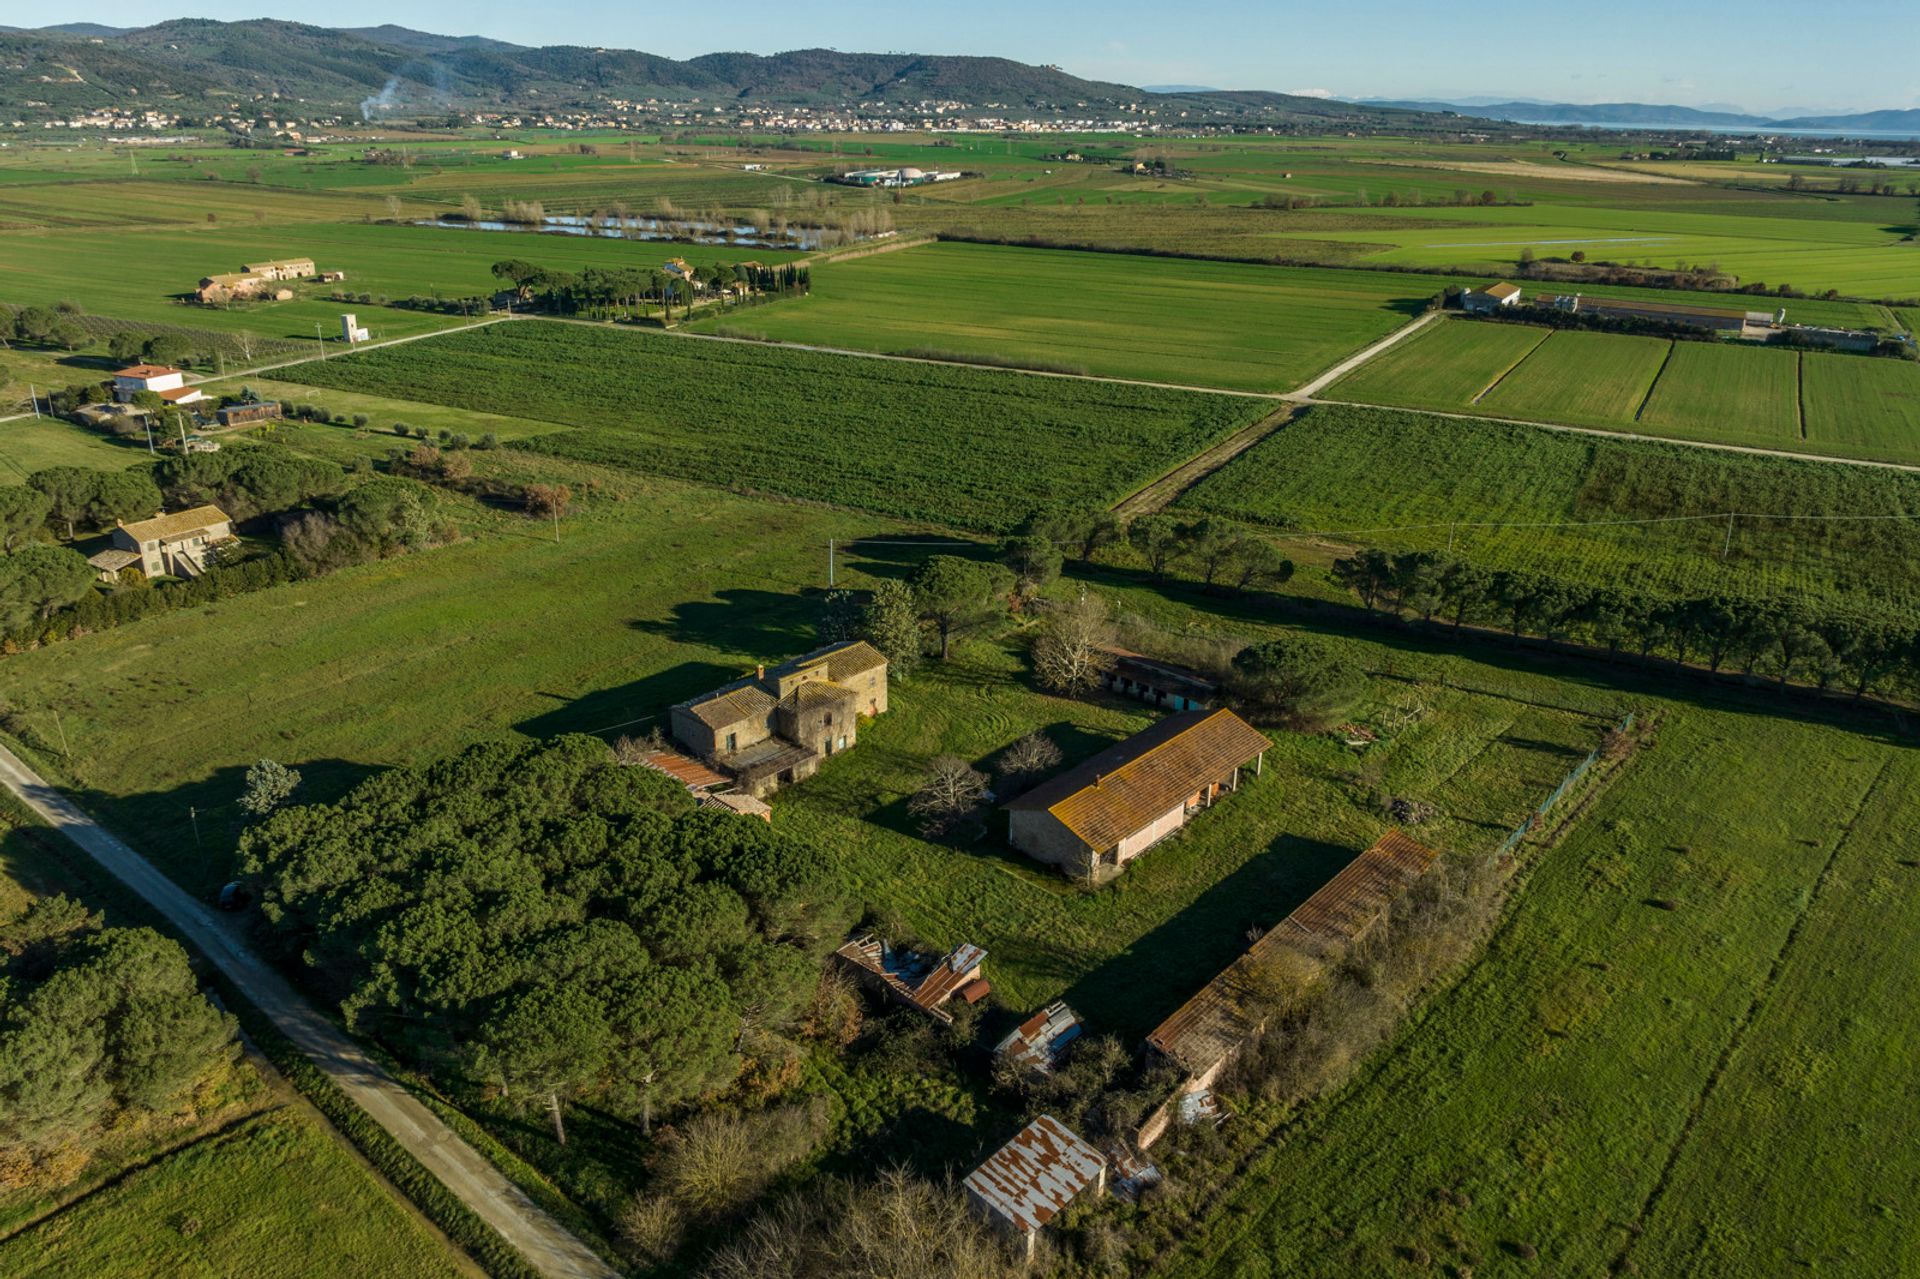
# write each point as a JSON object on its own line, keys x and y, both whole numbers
{"x": 275, "y": 1195}
{"x": 948, "y": 445}
{"x": 135, "y": 275}
{"x": 1212, "y": 324}
{"x": 1584, "y": 507}
{"x": 1450, "y": 365}
{"x": 1871, "y": 412}
{"x": 1722, "y": 392}
{"x": 1704, "y": 1090}
{"x": 1587, "y": 379}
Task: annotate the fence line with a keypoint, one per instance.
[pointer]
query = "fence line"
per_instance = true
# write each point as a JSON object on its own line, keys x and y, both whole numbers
{"x": 1567, "y": 783}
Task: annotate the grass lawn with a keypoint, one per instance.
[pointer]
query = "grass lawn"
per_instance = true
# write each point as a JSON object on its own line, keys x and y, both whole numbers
{"x": 1739, "y": 394}
{"x": 1125, "y": 955}
{"x": 1242, "y": 327}
{"x": 276, "y": 1195}
{"x": 1448, "y": 366}
{"x": 655, "y": 591}
{"x": 965, "y": 447}
{"x": 1585, "y": 379}
{"x": 1864, "y": 407}
{"x": 1707, "y": 1088}
{"x": 1586, "y": 508}
{"x": 33, "y": 444}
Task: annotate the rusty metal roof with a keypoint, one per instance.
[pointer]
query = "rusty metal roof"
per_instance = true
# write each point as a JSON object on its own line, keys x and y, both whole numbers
{"x": 960, "y": 966}
{"x": 913, "y": 977}
{"x": 1031, "y": 1178}
{"x": 1214, "y": 1022}
{"x": 1126, "y": 787}
{"x": 1042, "y": 1039}
{"x": 690, "y": 773}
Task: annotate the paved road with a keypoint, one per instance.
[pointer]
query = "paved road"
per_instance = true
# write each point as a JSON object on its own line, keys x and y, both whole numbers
{"x": 551, "y": 1249}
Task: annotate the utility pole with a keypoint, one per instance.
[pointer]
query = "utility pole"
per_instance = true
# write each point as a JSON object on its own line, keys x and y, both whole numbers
{"x": 1728, "y": 545}
{"x": 33, "y": 398}
{"x": 829, "y": 563}
{"x": 193, "y": 815}
{"x": 318, "y": 340}
{"x": 62, "y": 729}
{"x": 147, "y": 421}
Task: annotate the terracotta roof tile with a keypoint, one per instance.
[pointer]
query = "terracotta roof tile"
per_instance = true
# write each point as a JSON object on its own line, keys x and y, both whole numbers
{"x": 162, "y": 528}
{"x": 1128, "y": 785}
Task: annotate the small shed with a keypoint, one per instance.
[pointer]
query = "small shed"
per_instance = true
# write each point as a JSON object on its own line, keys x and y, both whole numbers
{"x": 915, "y": 979}
{"x": 1041, "y": 1041}
{"x": 1029, "y": 1181}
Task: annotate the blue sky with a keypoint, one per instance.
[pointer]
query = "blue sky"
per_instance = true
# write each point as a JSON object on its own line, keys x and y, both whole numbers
{"x": 1761, "y": 55}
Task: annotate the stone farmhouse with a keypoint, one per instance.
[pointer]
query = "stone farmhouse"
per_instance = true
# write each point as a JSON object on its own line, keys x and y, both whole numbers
{"x": 1091, "y": 820}
{"x": 774, "y": 727}
{"x": 182, "y": 544}
{"x": 252, "y": 281}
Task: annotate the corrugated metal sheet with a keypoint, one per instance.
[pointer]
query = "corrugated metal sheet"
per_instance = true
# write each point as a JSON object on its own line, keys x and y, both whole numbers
{"x": 1042, "y": 1039}
{"x": 1213, "y": 1023}
{"x": 690, "y": 773}
{"x": 1031, "y": 1178}
{"x": 1124, "y": 788}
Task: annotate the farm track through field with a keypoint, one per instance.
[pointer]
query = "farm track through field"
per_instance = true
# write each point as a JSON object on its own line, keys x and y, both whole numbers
{"x": 1487, "y": 390}
{"x": 1800, "y": 391}
{"x": 1159, "y": 494}
{"x": 1637, "y": 1229}
{"x": 1660, "y": 373}
{"x": 1362, "y": 356}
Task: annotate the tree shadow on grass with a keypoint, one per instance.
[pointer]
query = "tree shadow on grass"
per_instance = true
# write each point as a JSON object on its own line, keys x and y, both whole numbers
{"x": 192, "y": 832}
{"x": 901, "y": 557}
{"x": 1133, "y": 992}
{"x": 766, "y": 625}
{"x": 634, "y": 707}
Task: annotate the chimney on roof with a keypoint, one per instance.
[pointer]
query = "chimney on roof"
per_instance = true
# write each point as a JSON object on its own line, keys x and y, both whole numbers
{"x": 760, "y": 672}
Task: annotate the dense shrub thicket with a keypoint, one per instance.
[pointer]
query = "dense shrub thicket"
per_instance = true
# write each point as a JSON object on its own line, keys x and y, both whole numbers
{"x": 100, "y": 1028}
{"x": 540, "y": 919}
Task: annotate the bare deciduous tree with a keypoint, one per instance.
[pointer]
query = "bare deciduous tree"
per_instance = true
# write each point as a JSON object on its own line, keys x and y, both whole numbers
{"x": 950, "y": 797}
{"x": 1071, "y": 653}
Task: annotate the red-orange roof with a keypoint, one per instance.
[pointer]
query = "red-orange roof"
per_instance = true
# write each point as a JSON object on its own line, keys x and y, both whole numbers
{"x": 146, "y": 370}
{"x": 1125, "y": 787}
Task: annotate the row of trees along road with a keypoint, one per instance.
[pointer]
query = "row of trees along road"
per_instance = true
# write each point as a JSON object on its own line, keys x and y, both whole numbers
{"x": 537, "y": 919}
{"x": 606, "y": 292}
{"x": 1805, "y": 640}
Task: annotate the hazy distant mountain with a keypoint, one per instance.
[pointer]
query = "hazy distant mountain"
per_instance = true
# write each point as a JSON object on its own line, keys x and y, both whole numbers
{"x": 1179, "y": 88}
{"x": 193, "y": 65}
{"x": 1896, "y": 121}
{"x": 1657, "y": 116}
{"x": 1636, "y": 113}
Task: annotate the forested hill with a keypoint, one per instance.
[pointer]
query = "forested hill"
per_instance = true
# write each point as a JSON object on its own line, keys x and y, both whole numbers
{"x": 191, "y": 65}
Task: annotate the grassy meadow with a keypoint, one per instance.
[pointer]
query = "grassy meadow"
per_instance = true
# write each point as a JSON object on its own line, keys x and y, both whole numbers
{"x": 1654, "y": 1065}
{"x": 276, "y": 1194}
{"x": 919, "y": 441}
{"x": 1167, "y": 320}
{"x": 1710, "y": 389}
